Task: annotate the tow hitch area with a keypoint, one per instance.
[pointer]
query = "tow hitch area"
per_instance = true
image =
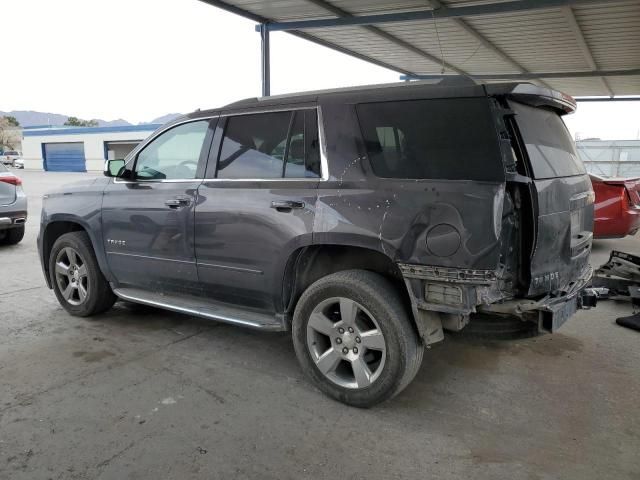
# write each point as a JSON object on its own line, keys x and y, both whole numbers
{"x": 589, "y": 298}
{"x": 552, "y": 316}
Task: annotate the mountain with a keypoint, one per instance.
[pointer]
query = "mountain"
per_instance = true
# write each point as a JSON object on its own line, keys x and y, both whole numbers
{"x": 165, "y": 118}
{"x": 30, "y": 118}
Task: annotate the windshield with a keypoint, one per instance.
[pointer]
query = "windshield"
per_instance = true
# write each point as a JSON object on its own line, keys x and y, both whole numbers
{"x": 549, "y": 144}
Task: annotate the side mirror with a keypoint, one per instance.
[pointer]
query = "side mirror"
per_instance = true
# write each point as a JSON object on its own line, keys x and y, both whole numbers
{"x": 114, "y": 168}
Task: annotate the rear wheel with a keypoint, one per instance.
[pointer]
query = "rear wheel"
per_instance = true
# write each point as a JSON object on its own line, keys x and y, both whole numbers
{"x": 12, "y": 236}
{"x": 76, "y": 277}
{"x": 354, "y": 339}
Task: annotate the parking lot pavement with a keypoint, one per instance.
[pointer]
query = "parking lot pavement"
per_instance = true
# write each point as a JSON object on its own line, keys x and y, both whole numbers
{"x": 142, "y": 393}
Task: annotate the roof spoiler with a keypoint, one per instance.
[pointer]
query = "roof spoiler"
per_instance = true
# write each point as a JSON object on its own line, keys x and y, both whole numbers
{"x": 538, "y": 96}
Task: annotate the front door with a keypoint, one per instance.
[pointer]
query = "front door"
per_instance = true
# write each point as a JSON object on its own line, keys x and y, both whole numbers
{"x": 257, "y": 206}
{"x": 148, "y": 219}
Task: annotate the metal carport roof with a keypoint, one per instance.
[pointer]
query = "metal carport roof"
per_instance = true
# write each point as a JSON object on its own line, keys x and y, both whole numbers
{"x": 581, "y": 47}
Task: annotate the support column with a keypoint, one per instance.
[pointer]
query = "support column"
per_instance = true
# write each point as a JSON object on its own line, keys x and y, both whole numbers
{"x": 266, "y": 61}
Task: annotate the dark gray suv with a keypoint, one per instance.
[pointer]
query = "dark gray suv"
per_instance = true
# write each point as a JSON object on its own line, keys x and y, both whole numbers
{"x": 364, "y": 220}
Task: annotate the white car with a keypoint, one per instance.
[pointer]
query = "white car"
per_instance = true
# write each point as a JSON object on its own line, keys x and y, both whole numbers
{"x": 9, "y": 156}
{"x": 18, "y": 163}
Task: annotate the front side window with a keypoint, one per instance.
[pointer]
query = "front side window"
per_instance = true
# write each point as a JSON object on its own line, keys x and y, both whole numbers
{"x": 452, "y": 139}
{"x": 174, "y": 155}
{"x": 270, "y": 145}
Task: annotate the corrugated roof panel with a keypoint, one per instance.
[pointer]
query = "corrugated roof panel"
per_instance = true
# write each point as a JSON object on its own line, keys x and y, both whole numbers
{"x": 578, "y": 87}
{"x": 625, "y": 85}
{"x": 362, "y": 41}
{"x": 282, "y": 10}
{"x": 539, "y": 40}
{"x": 612, "y": 33}
{"x": 458, "y": 46}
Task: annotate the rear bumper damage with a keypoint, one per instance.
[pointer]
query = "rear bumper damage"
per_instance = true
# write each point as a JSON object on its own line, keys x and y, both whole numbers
{"x": 553, "y": 310}
{"x": 443, "y": 298}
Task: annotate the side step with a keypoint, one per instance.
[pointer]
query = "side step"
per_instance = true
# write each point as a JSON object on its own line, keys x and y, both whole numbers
{"x": 194, "y": 306}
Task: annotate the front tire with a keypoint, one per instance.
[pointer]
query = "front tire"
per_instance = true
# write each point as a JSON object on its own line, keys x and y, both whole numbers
{"x": 354, "y": 339}
{"x": 75, "y": 275}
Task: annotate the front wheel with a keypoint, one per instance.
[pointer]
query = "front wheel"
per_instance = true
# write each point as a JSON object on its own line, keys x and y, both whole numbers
{"x": 77, "y": 280}
{"x": 354, "y": 339}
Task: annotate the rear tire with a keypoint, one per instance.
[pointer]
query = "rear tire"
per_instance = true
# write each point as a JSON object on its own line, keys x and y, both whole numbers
{"x": 12, "y": 236}
{"x": 354, "y": 339}
{"x": 76, "y": 277}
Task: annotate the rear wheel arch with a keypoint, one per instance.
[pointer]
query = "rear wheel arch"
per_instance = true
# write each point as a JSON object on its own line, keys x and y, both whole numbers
{"x": 308, "y": 264}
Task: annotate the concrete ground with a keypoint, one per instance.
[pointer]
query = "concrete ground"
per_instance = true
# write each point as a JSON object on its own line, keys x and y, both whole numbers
{"x": 150, "y": 394}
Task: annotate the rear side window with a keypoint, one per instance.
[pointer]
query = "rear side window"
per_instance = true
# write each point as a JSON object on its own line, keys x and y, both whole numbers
{"x": 270, "y": 145}
{"x": 549, "y": 145}
{"x": 453, "y": 139}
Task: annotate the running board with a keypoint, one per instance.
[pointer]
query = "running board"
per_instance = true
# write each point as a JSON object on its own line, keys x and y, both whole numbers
{"x": 193, "y": 306}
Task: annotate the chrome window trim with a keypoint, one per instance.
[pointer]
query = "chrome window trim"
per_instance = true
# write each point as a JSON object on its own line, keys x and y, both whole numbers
{"x": 267, "y": 110}
{"x": 324, "y": 164}
{"x": 149, "y": 257}
{"x": 142, "y": 145}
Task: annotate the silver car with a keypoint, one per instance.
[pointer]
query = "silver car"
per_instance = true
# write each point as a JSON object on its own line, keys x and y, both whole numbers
{"x": 13, "y": 208}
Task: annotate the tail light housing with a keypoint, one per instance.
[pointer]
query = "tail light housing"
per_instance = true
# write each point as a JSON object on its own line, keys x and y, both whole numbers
{"x": 11, "y": 179}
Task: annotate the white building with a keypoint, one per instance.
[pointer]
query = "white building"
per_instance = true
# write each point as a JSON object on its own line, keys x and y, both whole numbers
{"x": 79, "y": 149}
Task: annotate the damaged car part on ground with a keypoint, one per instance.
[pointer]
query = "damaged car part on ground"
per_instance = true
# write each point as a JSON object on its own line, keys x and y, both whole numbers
{"x": 618, "y": 276}
{"x": 365, "y": 220}
{"x": 619, "y": 279}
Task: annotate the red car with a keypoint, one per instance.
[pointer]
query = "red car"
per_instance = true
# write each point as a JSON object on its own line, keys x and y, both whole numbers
{"x": 617, "y": 208}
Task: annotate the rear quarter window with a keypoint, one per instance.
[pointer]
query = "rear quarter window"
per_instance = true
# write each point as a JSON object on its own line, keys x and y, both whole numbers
{"x": 452, "y": 139}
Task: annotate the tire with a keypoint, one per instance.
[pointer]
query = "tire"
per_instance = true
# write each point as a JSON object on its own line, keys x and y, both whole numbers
{"x": 12, "y": 236}
{"x": 383, "y": 338}
{"x": 98, "y": 296}
{"x": 491, "y": 327}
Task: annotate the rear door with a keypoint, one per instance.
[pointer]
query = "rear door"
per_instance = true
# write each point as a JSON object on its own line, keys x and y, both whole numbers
{"x": 257, "y": 204}
{"x": 564, "y": 200}
{"x": 148, "y": 219}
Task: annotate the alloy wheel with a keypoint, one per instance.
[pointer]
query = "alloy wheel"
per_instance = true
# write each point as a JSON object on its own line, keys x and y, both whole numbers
{"x": 71, "y": 276}
{"x": 346, "y": 343}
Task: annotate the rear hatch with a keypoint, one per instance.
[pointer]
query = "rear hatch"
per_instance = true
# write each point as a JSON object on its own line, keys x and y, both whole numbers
{"x": 563, "y": 199}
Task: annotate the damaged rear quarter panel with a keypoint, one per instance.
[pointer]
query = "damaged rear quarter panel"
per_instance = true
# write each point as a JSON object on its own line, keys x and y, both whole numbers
{"x": 441, "y": 223}
{"x": 395, "y": 217}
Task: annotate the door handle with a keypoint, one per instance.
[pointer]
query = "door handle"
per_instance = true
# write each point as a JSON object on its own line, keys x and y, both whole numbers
{"x": 178, "y": 202}
{"x": 286, "y": 205}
